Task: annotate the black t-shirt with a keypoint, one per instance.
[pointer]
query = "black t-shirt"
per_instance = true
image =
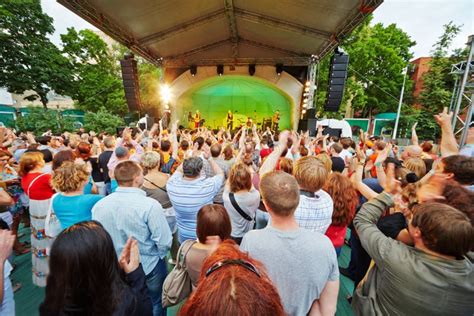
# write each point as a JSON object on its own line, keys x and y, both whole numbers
{"x": 103, "y": 161}
{"x": 338, "y": 164}
{"x": 96, "y": 174}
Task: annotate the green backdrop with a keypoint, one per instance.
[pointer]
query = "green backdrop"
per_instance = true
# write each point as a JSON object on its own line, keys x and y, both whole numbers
{"x": 243, "y": 95}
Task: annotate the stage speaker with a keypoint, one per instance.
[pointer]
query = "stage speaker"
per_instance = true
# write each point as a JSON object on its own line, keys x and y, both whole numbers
{"x": 332, "y": 131}
{"x": 130, "y": 82}
{"x": 308, "y": 124}
{"x": 337, "y": 79}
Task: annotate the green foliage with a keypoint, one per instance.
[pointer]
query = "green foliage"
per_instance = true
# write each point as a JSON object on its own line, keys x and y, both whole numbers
{"x": 149, "y": 79}
{"x": 438, "y": 82}
{"x": 40, "y": 120}
{"x": 102, "y": 121}
{"x": 377, "y": 55}
{"x": 97, "y": 82}
{"x": 28, "y": 59}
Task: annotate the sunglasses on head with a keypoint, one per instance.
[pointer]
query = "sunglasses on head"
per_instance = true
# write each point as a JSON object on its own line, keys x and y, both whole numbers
{"x": 247, "y": 265}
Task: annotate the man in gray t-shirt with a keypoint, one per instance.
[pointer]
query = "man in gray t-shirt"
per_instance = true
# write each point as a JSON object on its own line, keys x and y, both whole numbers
{"x": 302, "y": 264}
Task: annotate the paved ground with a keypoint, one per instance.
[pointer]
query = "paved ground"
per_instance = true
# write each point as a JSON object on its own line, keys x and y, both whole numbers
{"x": 29, "y": 297}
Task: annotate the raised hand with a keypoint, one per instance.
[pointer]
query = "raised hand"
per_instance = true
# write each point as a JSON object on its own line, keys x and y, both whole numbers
{"x": 444, "y": 118}
{"x": 382, "y": 156}
{"x": 283, "y": 138}
{"x": 392, "y": 185}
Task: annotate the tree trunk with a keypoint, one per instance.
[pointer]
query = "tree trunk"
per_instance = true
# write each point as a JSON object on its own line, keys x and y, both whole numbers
{"x": 44, "y": 100}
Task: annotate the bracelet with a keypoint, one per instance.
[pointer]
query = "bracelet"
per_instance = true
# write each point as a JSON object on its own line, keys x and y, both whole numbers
{"x": 378, "y": 164}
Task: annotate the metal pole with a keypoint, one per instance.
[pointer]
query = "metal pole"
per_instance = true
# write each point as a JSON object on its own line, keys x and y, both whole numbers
{"x": 467, "y": 124}
{"x": 463, "y": 83}
{"x": 453, "y": 96}
{"x": 400, "y": 104}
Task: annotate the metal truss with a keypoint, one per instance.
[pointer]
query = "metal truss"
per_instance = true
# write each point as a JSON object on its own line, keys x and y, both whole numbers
{"x": 463, "y": 89}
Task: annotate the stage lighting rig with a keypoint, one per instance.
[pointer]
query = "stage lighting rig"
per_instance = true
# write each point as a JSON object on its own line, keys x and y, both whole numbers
{"x": 279, "y": 69}
{"x": 251, "y": 69}
{"x": 193, "y": 70}
{"x": 220, "y": 70}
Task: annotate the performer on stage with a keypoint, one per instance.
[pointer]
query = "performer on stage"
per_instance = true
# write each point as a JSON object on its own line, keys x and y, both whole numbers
{"x": 249, "y": 122}
{"x": 190, "y": 120}
{"x": 275, "y": 120}
{"x": 197, "y": 119}
{"x": 230, "y": 120}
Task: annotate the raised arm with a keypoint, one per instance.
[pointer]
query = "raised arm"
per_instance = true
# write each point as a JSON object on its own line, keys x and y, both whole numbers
{"x": 449, "y": 145}
{"x": 414, "y": 137}
{"x": 272, "y": 159}
{"x": 174, "y": 139}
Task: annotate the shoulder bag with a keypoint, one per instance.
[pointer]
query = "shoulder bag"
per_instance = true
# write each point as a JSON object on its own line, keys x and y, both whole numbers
{"x": 177, "y": 285}
{"x": 238, "y": 208}
{"x": 52, "y": 226}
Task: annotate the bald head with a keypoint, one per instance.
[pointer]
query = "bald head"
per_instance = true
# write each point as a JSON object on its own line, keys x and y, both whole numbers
{"x": 412, "y": 151}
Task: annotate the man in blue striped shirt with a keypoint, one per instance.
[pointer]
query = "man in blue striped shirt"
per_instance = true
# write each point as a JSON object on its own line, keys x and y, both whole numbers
{"x": 129, "y": 212}
{"x": 188, "y": 191}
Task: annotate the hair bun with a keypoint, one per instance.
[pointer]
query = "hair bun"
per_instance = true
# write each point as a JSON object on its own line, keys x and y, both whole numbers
{"x": 411, "y": 177}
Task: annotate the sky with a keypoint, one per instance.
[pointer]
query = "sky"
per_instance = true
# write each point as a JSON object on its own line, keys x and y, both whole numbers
{"x": 423, "y": 20}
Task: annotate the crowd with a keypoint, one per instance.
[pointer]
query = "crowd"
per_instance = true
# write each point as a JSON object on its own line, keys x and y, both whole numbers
{"x": 252, "y": 221}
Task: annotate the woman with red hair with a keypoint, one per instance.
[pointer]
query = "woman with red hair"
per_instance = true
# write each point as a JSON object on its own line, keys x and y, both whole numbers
{"x": 345, "y": 199}
{"x": 232, "y": 283}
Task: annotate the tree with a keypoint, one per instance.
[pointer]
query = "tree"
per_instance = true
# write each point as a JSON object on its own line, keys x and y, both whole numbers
{"x": 377, "y": 55}
{"x": 28, "y": 59}
{"x": 437, "y": 81}
{"x": 39, "y": 120}
{"x": 96, "y": 74}
{"x": 149, "y": 80}
{"x": 102, "y": 121}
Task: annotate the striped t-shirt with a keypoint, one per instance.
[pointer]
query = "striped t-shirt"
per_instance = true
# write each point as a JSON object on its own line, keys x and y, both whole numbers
{"x": 187, "y": 197}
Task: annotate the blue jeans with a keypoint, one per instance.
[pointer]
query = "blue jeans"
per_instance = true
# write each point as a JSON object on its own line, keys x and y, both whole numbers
{"x": 108, "y": 188}
{"x": 154, "y": 282}
{"x": 262, "y": 219}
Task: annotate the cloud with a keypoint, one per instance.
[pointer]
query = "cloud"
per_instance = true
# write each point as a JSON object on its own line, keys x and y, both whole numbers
{"x": 63, "y": 18}
{"x": 423, "y": 20}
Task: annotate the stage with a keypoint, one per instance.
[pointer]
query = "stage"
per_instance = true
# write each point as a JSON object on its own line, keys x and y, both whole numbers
{"x": 245, "y": 96}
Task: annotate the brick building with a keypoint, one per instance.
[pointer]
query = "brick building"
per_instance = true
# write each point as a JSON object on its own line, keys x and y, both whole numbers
{"x": 420, "y": 66}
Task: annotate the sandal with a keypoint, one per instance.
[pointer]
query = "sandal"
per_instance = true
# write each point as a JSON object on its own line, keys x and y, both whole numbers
{"x": 21, "y": 251}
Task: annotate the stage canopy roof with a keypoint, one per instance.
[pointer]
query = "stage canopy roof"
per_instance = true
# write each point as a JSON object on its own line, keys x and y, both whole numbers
{"x": 181, "y": 33}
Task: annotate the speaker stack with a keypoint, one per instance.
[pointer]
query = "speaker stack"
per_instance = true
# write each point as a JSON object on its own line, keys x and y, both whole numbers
{"x": 130, "y": 82}
{"x": 308, "y": 122}
{"x": 337, "y": 80}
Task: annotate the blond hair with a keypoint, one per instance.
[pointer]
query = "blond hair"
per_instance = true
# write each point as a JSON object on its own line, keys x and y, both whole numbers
{"x": 326, "y": 160}
{"x": 69, "y": 177}
{"x": 150, "y": 160}
{"x": 310, "y": 173}
{"x": 29, "y": 161}
{"x": 416, "y": 165}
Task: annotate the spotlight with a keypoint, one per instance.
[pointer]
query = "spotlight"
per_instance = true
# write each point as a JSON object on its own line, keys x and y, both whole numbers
{"x": 304, "y": 111}
{"x": 193, "y": 70}
{"x": 220, "y": 70}
{"x": 306, "y": 89}
{"x": 165, "y": 93}
{"x": 307, "y": 83}
{"x": 305, "y": 100}
{"x": 252, "y": 69}
{"x": 304, "y": 105}
{"x": 279, "y": 69}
